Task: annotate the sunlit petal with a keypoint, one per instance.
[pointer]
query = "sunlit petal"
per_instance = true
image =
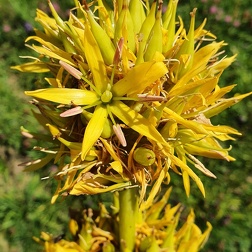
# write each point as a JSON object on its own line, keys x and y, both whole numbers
{"x": 139, "y": 77}
{"x": 65, "y": 95}
{"x": 94, "y": 129}
{"x": 95, "y": 60}
{"x": 135, "y": 121}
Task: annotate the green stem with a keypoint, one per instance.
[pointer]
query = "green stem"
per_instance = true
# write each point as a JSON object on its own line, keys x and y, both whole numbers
{"x": 128, "y": 200}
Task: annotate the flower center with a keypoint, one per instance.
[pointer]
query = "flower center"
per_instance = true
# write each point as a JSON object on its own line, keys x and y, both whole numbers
{"x": 106, "y": 96}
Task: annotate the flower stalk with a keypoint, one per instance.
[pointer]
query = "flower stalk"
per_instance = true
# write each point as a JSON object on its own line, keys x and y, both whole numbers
{"x": 128, "y": 200}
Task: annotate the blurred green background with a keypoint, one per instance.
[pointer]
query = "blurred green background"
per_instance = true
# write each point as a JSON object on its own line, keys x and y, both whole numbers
{"x": 25, "y": 208}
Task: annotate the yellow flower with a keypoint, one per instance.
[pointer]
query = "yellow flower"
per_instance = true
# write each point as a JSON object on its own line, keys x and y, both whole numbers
{"x": 57, "y": 244}
{"x": 157, "y": 226}
{"x": 124, "y": 79}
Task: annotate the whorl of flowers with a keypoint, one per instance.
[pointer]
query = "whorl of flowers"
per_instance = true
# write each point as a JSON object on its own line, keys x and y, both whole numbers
{"x": 129, "y": 97}
{"x": 157, "y": 229}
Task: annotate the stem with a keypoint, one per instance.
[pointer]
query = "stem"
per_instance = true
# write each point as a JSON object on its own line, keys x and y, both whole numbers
{"x": 128, "y": 200}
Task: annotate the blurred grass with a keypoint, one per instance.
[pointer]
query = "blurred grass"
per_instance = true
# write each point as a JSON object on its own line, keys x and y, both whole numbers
{"x": 25, "y": 208}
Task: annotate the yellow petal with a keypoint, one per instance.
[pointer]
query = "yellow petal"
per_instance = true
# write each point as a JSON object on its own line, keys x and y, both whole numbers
{"x": 34, "y": 67}
{"x": 203, "y": 239}
{"x": 154, "y": 211}
{"x": 139, "y": 77}
{"x": 154, "y": 190}
{"x": 223, "y": 104}
{"x": 94, "y": 129}
{"x": 201, "y": 59}
{"x": 186, "y": 182}
{"x": 184, "y": 167}
{"x": 95, "y": 61}
{"x": 65, "y": 95}
{"x": 187, "y": 49}
{"x": 82, "y": 187}
{"x": 117, "y": 166}
{"x": 110, "y": 149}
{"x": 136, "y": 121}
{"x": 51, "y": 50}
{"x": 195, "y": 126}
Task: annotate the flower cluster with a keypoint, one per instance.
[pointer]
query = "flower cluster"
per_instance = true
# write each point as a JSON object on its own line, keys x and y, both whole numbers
{"x": 158, "y": 228}
{"x": 130, "y": 97}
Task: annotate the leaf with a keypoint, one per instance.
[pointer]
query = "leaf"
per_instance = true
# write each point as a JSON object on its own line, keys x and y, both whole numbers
{"x": 65, "y": 95}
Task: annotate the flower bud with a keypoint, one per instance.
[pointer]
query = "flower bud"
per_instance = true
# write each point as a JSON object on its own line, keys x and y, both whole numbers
{"x": 108, "y": 247}
{"x": 144, "y": 156}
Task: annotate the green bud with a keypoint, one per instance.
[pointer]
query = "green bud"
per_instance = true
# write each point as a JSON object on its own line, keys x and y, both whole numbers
{"x": 108, "y": 247}
{"x": 106, "y": 96}
{"x": 107, "y": 131}
{"x": 144, "y": 156}
{"x": 145, "y": 244}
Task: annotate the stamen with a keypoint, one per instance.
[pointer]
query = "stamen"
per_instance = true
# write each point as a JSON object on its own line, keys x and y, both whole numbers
{"x": 118, "y": 52}
{"x": 71, "y": 112}
{"x": 119, "y": 133}
{"x": 149, "y": 98}
{"x": 72, "y": 70}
